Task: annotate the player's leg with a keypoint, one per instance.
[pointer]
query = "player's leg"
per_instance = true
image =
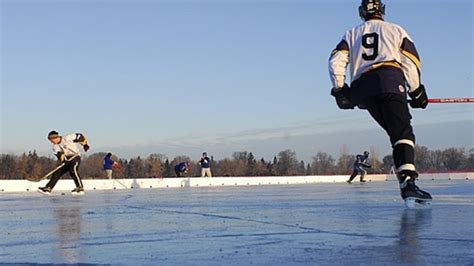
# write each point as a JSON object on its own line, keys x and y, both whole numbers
{"x": 362, "y": 175}
{"x": 74, "y": 173}
{"x": 108, "y": 172}
{"x": 54, "y": 179}
{"x": 353, "y": 175}
{"x": 391, "y": 112}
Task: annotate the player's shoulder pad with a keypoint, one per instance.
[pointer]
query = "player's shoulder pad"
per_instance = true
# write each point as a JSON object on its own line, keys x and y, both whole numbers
{"x": 80, "y": 138}
{"x": 397, "y": 28}
{"x": 70, "y": 137}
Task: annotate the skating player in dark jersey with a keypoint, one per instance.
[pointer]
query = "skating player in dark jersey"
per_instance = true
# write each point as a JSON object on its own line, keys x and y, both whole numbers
{"x": 360, "y": 163}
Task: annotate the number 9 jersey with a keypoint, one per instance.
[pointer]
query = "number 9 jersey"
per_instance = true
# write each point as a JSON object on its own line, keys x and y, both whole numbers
{"x": 376, "y": 44}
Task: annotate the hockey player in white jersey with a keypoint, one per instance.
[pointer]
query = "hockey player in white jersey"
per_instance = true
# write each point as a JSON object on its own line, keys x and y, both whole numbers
{"x": 66, "y": 149}
{"x": 384, "y": 67}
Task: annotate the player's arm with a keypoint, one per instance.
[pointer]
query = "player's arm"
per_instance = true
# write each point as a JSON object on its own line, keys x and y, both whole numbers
{"x": 338, "y": 62}
{"x": 411, "y": 66}
{"x": 81, "y": 139}
{"x": 366, "y": 164}
{"x": 59, "y": 153}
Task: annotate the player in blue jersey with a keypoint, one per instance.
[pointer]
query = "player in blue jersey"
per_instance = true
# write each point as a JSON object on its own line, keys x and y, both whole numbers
{"x": 181, "y": 169}
{"x": 360, "y": 163}
{"x": 205, "y": 164}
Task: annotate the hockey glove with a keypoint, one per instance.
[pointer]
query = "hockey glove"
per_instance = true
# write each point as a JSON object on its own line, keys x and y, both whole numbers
{"x": 86, "y": 147}
{"x": 342, "y": 97}
{"x": 61, "y": 156}
{"x": 419, "y": 99}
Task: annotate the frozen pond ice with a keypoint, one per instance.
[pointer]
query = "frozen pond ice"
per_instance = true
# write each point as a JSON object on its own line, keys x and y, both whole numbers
{"x": 272, "y": 225}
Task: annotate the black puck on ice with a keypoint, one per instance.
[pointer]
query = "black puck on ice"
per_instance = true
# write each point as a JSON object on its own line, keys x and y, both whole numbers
{"x": 63, "y": 194}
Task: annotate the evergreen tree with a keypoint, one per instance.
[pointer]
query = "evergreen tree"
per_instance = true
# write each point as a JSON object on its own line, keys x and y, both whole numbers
{"x": 168, "y": 169}
{"x": 302, "y": 168}
{"x": 8, "y": 166}
{"x": 251, "y": 165}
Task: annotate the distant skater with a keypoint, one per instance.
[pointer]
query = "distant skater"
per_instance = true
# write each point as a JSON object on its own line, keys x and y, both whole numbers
{"x": 384, "y": 68}
{"x": 181, "y": 169}
{"x": 360, "y": 163}
{"x": 109, "y": 165}
{"x": 205, "y": 163}
{"x": 66, "y": 149}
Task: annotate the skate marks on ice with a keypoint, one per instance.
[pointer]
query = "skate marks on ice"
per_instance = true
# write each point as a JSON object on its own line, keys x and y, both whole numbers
{"x": 261, "y": 225}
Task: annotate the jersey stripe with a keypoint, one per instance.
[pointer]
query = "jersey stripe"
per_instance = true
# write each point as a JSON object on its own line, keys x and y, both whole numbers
{"x": 336, "y": 51}
{"x": 413, "y": 58}
{"x": 408, "y": 49}
{"x": 384, "y": 64}
{"x": 342, "y": 46}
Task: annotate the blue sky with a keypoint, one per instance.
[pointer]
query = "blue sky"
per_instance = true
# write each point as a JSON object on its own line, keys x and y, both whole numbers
{"x": 180, "y": 77}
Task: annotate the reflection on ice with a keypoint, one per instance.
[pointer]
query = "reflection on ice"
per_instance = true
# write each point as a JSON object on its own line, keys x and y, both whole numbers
{"x": 68, "y": 233}
{"x": 271, "y": 225}
{"x": 409, "y": 246}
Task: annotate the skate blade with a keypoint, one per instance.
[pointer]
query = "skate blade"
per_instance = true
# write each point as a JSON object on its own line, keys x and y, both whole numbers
{"x": 44, "y": 192}
{"x": 411, "y": 203}
{"x": 78, "y": 193}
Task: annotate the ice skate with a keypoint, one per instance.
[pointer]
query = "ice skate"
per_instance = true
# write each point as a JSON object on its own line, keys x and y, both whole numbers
{"x": 413, "y": 196}
{"x": 44, "y": 190}
{"x": 78, "y": 191}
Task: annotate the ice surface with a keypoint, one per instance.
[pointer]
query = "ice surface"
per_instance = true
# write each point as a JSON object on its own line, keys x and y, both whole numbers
{"x": 271, "y": 225}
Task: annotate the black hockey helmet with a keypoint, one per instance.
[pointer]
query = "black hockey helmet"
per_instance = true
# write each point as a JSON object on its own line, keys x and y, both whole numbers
{"x": 371, "y": 8}
{"x": 53, "y": 134}
{"x": 366, "y": 153}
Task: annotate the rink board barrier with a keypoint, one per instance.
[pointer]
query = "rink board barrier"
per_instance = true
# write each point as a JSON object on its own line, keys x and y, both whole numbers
{"x": 135, "y": 183}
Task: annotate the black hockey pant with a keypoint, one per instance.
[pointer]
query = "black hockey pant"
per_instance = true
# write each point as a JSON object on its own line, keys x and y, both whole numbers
{"x": 358, "y": 170}
{"x": 72, "y": 168}
{"x": 391, "y": 112}
{"x": 179, "y": 173}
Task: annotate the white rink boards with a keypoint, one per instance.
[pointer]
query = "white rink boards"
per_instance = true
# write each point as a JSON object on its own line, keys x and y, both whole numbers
{"x": 134, "y": 183}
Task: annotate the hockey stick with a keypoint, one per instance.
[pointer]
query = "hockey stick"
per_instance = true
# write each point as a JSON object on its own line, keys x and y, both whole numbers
{"x": 451, "y": 100}
{"x": 120, "y": 183}
{"x": 54, "y": 170}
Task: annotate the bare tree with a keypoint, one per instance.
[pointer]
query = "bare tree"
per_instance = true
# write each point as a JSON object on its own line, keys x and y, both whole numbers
{"x": 470, "y": 160}
{"x": 345, "y": 161}
{"x": 154, "y": 165}
{"x": 374, "y": 161}
{"x": 229, "y": 167}
{"x": 436, "y": 159}
{"x": 387, "y": 163}
{"x": 323, "y": 163}
{"x": 422, "y": 158}
{"x": 92, "y": 166}
{"x": 287, "y": 164}
{"x": 454, "y": 158}
{"x": 344, "y": 164}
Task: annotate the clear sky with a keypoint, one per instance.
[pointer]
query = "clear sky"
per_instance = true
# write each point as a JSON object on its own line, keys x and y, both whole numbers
{"x": 181, "y": 77}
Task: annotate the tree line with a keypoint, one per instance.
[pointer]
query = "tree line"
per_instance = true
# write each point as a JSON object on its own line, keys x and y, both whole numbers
{"x": 242, "y": 163}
